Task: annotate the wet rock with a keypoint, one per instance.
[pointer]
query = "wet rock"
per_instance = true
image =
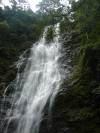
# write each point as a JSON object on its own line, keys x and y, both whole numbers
{"x": 2, "y": 87}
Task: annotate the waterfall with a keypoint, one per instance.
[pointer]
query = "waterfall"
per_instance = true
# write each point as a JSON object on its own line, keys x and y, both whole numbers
{"x": 36, "y": 87}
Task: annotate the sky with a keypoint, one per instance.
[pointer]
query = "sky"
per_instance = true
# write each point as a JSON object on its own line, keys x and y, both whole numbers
{"x": 32, "y": 3}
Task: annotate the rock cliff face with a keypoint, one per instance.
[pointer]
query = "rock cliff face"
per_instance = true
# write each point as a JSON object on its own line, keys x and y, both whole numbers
{"x": 8, "y": 70}
{"x": 60, "y": 122}
{"x": 77, "y": 107}
{"x": 7, "y": 67}
{"x": 57, "y": 122}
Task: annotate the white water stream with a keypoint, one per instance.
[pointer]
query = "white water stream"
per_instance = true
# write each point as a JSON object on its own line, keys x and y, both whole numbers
{"x": 38, "y": 85}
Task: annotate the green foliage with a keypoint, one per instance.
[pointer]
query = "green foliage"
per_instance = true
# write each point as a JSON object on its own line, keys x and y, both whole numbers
{"x": 53, "y": 8}
{"x": 50, "y": 34}
{"x": 82, "y": 100}
{"x": 18, "y": 26}
{"x": 80, "y": 114}
{"x": 4, "y": 30}
{"x": 87, "y": 22}
{"x": 65, "y": 25}
{"x": 86, "y": 16}
{"x": 4, "y": 26}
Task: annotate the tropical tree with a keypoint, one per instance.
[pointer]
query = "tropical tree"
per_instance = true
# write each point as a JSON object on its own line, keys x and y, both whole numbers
{"x": 49, "y": 5}
{"x": 86, "y": 17}
{"x": 53, "y": 8}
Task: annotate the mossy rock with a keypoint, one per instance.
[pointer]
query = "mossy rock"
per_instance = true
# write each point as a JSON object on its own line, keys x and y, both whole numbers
{"x": 50, "y": 34}
{"x": 79, "y": 114}
{"x": 97, "y": 90}
{"x": 88, "y": 66}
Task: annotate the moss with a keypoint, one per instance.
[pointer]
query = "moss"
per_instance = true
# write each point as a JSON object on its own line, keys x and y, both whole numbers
{"x": 83, "y": 94}
{"x": 50, "y": 34}
{"x": 97, "y": 90}
{"x": 79, "y": 114}
{"x": 65, "y": 25}
{"x": 88, "y": 65}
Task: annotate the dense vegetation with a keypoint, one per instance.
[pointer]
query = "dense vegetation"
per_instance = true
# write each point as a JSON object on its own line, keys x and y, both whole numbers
{"x": 19, "y": 29}
{"x": 83, "y": 99}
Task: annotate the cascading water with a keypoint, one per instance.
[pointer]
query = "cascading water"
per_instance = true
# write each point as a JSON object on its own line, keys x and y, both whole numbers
{"x": 37, "y": 86}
